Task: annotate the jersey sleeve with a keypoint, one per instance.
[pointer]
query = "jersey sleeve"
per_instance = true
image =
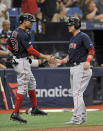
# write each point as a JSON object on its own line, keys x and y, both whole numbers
{"x": 87, "y": 41}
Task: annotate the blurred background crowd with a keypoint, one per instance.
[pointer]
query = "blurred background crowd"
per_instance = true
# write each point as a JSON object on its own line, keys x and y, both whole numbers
{"x": 47, "y": 11}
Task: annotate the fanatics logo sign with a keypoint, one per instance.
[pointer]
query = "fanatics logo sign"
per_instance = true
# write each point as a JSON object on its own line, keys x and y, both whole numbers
{"x": 55, "y": 92}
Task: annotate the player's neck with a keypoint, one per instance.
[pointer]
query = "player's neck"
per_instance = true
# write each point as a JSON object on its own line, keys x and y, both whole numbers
{"x": 76, "y": 32}
{"x": 22, "y": 27}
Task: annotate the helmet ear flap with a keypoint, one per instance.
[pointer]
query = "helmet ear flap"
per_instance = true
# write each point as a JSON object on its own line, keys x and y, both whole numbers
{"x": 21, "y": 19}
{"x": 77, "y": 25}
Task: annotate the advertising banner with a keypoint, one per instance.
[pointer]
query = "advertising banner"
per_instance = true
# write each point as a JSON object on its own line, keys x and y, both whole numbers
{"x": 52, "y": 90}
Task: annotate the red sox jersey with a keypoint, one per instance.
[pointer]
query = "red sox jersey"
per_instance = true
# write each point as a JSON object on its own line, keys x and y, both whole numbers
{"x": 19, "y": 42}
{"x": 78, "y": 48}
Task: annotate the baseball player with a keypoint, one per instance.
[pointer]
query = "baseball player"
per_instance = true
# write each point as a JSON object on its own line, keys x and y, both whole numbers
{"x": 19, "y": 44}
{"x": 80, "y": 53}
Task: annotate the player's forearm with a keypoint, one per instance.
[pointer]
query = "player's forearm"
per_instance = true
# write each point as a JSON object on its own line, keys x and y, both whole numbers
{"x": 91, "y": 54}
{"x": 43, "y": 56}
{"x": 89, "y": 58}
{"x": 46, "y": 57}
{"x": 65, "y": 60}
{"x": 32, "y": 51}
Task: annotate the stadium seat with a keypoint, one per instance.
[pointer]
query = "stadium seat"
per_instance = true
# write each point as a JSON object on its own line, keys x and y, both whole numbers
{"x": 14, "y": 11}
{"x": 73, "y": 10}
{"x": 14, "y": 14}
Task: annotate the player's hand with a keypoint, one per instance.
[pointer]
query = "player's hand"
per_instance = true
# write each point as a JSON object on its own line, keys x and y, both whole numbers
{"x": 59, "y": 62}
{"x": 86, "y": 65}
{"x": 51, "y": 59}
{"x": 56, "y": 64}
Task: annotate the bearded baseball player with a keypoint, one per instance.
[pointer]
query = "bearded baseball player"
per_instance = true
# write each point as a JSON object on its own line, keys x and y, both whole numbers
{"x": 80, "y": 53}
{"x": 19, "y": 44}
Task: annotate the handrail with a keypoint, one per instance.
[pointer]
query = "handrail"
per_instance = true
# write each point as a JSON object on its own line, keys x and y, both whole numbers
{"x": 50, "y": 42}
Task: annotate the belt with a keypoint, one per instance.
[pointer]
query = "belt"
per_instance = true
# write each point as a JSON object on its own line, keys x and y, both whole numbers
{"x": 73, "y": 64}
{"x": 15, "y": 57}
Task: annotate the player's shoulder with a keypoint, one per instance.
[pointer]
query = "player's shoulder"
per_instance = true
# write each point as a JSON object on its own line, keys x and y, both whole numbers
{"x": 21, "y": 33}
{"x": 84, "y": 35}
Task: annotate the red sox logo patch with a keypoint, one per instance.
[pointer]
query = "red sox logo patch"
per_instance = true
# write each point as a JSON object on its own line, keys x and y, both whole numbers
{"x": 72, "y": 45}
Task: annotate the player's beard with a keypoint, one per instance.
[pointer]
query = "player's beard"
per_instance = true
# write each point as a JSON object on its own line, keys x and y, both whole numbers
{"x": 71, "y": 29}
{"x": 28, "y": 27}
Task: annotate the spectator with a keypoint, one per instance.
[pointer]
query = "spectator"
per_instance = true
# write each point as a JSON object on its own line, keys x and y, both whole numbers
{"x": 83, "y": 5}
{"x": 5, "y": 33}
{"x": 29, "y": 6}
{"x": 2, "y": 63}
{"x": 59, "y": 4}
{"x": 8, "y": 3}
{"x": 6, "y": 29}
{"x": 3, "y": 13}
{"x": 60, "y": 16}
{"x": 92, "y": 12}
{"x": 16, "y": 3}
{"x": 48, "y": 8}
{"x": 71, "y": 3}
{"x": 99, "y": 5}
{"x": 2, "y": 53}
{"x": 67, "y": 3}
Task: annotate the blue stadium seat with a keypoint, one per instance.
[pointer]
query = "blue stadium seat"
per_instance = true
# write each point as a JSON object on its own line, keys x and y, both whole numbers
{"x": 34, "y": 26}
{"x": 73, "y": 10}
{"x": 14, "y": 14}
{"x": 14, "y": 11}
{"x": 13, "y": 22}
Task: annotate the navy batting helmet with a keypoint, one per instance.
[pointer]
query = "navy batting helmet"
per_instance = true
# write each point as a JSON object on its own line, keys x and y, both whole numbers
{"x": 26, "y": 16}
{"x": 74, "y": 21}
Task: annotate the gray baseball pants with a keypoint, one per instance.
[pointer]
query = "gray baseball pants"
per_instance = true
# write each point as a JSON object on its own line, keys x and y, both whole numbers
{"x": 25, "y": 78}
{"x": 79, "y": 79}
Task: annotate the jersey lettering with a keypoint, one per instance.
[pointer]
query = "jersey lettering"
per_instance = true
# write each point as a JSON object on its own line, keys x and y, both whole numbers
{"x": 14, "y": 44}
{"x": 19, "y": 41}
{"x": 72, "y": 45}
{"x": 14, "y": 34}
{"x": 78, "y": 48}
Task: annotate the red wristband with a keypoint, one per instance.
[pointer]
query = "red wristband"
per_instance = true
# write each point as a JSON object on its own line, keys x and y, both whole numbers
{"x": 62, "y": 61}
{"x": 88, "y": 60}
